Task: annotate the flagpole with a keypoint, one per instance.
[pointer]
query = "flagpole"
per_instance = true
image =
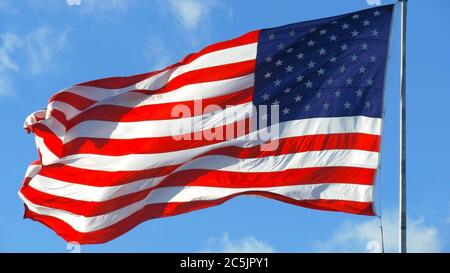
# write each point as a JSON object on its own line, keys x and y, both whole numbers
{"x": 402, "y": 213}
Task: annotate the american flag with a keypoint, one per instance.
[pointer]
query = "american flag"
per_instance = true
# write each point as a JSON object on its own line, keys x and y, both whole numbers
{"x": 113, "y": 154}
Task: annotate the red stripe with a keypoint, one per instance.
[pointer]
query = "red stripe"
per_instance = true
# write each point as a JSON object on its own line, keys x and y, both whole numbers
{"x": 77, "y": 101}
{"x": 58, "y": 115}
{"x": 121, "y": 82}
{"x": 354, "y": 141}
{"x": 117, "y": 147}
{"x": 157, "y": 111}
{"x": 222, "y": 179}
{"x": 51, "y": 141}
{"x": 208, "y": 74}
{"x": 286, "y": 146}
{"x": 101, "y": 178}
{"x": 163, "y": 210}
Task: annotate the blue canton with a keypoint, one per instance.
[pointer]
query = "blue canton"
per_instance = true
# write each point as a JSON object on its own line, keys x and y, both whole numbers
{"x": 330, "y": 67}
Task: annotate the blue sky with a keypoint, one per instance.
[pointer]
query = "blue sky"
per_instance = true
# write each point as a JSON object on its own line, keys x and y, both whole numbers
{"x": 49, "y": 45}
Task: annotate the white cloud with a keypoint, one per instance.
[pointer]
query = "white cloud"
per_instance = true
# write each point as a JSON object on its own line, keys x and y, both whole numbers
{"x": 100, "y": 10}
{"x": 191, "y": 12}
{"x": 9, "y": 43}
{"x": 33, "y": 52}
{"x": 365, "y": 236}
{"x": 42, "y": 44}
{"x": 157, "y": 53}
{"x": 448, "y": 215}
{"x": 6, "y": 88}
{"x": 97, "y": 6}
{"x": 247, "y": 244}
{"x": 8, "y": 7}
{"x": 373, "y": 2}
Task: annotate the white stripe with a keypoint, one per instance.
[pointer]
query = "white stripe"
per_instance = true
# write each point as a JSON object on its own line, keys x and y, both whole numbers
{"x": 68, "y": 110}
{"x": 158, "y": 128}
{"x": 215, "y": 58}
{"x": 184, "y": 93}
{"x": 47, "y": 156}
{"x": 350, "y": 192}
{"x": 32, "y": 170}
{"x": 53, "y": 124}
{"x": 326, "y": 158}
{"x": 333, "y": 191}
{"x": 90, "y": 193}
{"x": 313, "y": 126}
{"x": 220, "y": 57}
{"x": 33, "y": 118}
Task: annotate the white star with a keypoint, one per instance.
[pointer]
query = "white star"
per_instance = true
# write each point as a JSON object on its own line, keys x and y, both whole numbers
{"x": 266, "y": 96}
{"x": 300, "y": 55}
{"x": 275, "y": 102}
{"x": 323, "y": 31}
{"x": 280, "y": 46}
{"x": 311, "y": 43}
{"x": 355, "y": 16}
{"x": 342, "y": 68}
{"x": 277, "y": 82}
{"x": 268, "y": 74}
{"x": 333, "y": 37}
{"x": 268, "y": 59}
{"x": 359, "y": 93}
{"x": 349, "y": 81}
{"x": 367, "y": 104}
{"x": 279, "y": 62}
{"x": 347, "y": 105}
{"x": 313, "y": 29}
{"x": 333, "y": 59}
{"x": 330, "y": 81}
{"x": 334, "y": 22}
{"x": 354, "y": 58}
{"x": 370, "y": 82}
{"x": 355, "y": 33}
{"x": 322, "y": 51}
{"x": 289, "y": 68}
{"x": 364, "y": 46}
{"x": 309, "y": 84}
{"x": 326, "y": 105}
{"x": 271, "y": 36}
{"x": 307, "y": 107}
{"x": 299, "y": 78}
{"x": 289, "y": 50}
{"x": 362, "y": 70}
{"x": 345, "y": 26}
{"x": 298, "y": 98}
{"x": 311, "y": 64}
{"x": 292, "y": 33}
{"x": 373, "y": 59}
{"x": 338, "y": 93}
{"x": 375, "y": 32}
{"x": 286, "y": 111}
{"x": 376, "y": 13}
{"x": 344, "y": 47}
{"x": 366, "y": 22}
{"x": 318, "y": 94}
{"x": 287, "y": 90}
{"x": 321, "y": 71}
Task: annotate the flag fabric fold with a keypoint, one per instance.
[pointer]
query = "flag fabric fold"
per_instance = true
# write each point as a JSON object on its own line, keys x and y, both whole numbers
{"x": 118, "y": 151}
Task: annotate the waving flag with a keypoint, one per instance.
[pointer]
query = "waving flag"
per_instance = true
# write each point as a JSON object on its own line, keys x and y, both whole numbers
{"x": 118, "y": 151}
